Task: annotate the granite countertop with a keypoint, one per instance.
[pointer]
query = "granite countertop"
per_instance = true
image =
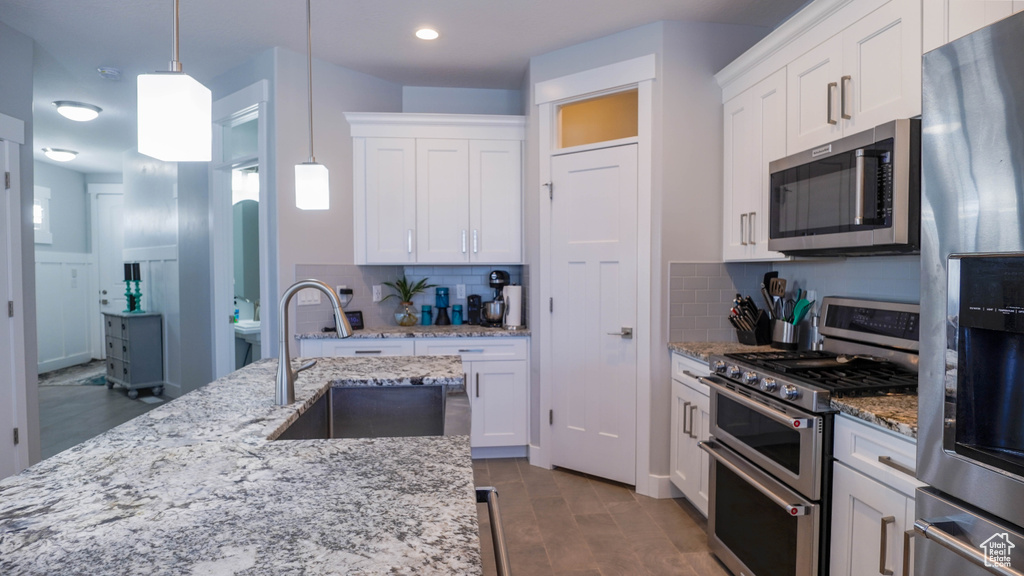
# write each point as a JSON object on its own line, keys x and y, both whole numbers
{"x": 896, "y": 412}
{"x": 196, "y": 487}
{"x": 418, "y": 331}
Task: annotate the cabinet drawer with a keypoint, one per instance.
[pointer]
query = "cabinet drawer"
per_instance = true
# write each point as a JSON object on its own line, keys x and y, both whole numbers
{"x": 115, "y": 347}
{"x": 368, "y": 347}
{"x": 473, "y": 349}
{"x": 682, "y": 364}
{"x": 114, "y": 368}
{"x": 875, "y": 451}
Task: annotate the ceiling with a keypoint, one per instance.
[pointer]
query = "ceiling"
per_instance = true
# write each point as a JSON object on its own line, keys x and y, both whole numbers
{"x": 483, "y": 44}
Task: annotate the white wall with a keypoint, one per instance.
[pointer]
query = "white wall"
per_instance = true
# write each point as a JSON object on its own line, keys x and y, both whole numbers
{"x": 16, "y": 100}
{"x": 69, "y": 208}
{"x": 431, "y": 100}
{"x": 687, "y": 160}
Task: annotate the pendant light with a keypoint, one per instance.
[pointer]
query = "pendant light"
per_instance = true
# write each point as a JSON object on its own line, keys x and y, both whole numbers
{"x": 312, "y": 185}
{"x": 175, "y": 112}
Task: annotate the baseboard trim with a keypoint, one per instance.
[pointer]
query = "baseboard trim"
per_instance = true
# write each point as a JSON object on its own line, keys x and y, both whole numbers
{"x": 662, "y": 487}
{"x": 539, "y": 458}
{"x": 65, "y": 362}
{"x": 499, "y": 452}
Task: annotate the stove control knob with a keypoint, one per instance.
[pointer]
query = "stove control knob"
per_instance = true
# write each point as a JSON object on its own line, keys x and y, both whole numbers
{"x": 751, "y": 378}
{"x": 734, "y": 371}
{"x": 769, "y": 384}
{"x": 790, "y": 392}
{"x": 719, "y": 366}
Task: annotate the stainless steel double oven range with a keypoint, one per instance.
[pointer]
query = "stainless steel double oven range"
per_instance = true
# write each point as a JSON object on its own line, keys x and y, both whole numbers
{"x": 771, "y": 434}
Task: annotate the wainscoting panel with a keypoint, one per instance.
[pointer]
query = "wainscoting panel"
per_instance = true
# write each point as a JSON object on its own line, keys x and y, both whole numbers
{"x": 63, "y": 309}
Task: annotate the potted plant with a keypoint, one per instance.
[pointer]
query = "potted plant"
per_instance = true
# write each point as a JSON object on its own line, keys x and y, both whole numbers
{"x": 405, "y": 313}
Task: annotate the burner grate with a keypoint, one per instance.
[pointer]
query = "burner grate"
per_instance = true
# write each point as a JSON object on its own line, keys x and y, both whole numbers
{"x": 856, "y": 378}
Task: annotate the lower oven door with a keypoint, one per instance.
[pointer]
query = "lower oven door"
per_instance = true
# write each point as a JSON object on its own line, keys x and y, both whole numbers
{"x": 757, "y": 526}
{"x": 786, "y": 441}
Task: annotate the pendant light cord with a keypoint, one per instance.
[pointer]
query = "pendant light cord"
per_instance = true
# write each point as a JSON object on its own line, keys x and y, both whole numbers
{"x": 309, "y": 77}
{"x": 175, "y": 63}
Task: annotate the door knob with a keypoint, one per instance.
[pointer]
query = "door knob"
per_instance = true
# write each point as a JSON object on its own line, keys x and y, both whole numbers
{"x": 104, "y": 292}
{"x": 626, "y": 332}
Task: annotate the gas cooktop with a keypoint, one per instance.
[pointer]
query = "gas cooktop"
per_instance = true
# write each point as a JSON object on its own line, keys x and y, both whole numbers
{"x": 840, "y": 375}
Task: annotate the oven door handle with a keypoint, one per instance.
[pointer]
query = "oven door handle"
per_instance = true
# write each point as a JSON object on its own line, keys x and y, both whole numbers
{"x": 955, "y": 545}
{"x": 795, "y": 423}
{"x": 794, "y": 509}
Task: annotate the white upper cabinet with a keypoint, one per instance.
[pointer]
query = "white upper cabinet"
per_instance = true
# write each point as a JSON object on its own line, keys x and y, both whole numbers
{"x": 947, "y": 20}
{"x": 755, "y": 134}
{"x": 437, "y": 188}
{"x": 868, "y": 74}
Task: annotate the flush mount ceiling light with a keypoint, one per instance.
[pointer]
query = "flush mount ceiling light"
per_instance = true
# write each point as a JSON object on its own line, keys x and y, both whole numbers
{"x": 174, "y": 113}
{"x": 427, "y": 34}
{"x": 109, "y": 73}
{"x": 77, "y": 111}
{"x": 60, "y": 154}
{"x": 312, "y": 182}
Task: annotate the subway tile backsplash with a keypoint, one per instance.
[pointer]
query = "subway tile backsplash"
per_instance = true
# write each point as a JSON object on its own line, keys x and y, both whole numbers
{"x": 701, "y": 295}
{"x": 361, "y": 280}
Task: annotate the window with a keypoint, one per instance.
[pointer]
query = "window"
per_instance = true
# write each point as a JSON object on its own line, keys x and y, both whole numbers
{"x": 41, "y": 215}
{"x": 609, "y": 117}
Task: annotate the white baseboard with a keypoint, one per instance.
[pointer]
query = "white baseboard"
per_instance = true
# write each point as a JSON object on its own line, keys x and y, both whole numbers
{"x": 65, "y": 362}
{"x": 499, "y": 452}
{"x": 662, "y": 487}
{"x": 539, "y": 458}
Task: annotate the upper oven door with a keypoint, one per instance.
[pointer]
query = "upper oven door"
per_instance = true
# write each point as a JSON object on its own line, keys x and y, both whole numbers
{"x": 852, "y": 195}
{"x": 783, "y": 440}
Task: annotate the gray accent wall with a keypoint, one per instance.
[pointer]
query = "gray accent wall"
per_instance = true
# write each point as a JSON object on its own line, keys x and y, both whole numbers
{"x": 69, "y": 208}
{"x": 429, "y": 99}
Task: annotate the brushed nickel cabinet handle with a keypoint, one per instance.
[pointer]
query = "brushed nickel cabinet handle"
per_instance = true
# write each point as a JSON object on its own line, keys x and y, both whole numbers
{"x": 463, "y": 241}
{"x": 686, "y": 406}
{"x": 476, "y": 241}
{"x": 750, "y": 229}
{"x": 693, "y": 408}
{"x": 883, "y": 546}
{"x": 906, "y": 551}
{"x": 842, "y": 97}
{"x": 409, "y": 239}
{"x": 743, "y": 229}
{"x": 477, "y": 384}
{"x": 888, "y": 461}
{"x": 831, "y": 88}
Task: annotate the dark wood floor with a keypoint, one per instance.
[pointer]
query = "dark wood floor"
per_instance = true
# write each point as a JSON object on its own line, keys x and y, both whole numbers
{"x": 559, "y": 523}
{"x": 70, "y": 415}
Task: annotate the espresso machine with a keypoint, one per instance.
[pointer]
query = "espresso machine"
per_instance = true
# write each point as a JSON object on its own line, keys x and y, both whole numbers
{"x": 494, "y": 310}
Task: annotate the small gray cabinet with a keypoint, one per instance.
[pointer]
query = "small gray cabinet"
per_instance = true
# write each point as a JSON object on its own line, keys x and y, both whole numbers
{"x": 135, "y": 352}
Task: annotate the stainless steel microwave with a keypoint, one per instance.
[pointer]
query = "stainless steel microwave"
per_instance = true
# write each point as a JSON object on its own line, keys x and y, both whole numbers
{"x": 856, "y": 196}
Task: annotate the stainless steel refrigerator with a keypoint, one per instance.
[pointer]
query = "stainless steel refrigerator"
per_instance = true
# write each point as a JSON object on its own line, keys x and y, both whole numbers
{"x": 970, "y": 519}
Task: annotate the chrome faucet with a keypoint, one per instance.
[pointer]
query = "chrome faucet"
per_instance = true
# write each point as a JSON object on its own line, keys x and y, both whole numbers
{"x": 285, "y": 393}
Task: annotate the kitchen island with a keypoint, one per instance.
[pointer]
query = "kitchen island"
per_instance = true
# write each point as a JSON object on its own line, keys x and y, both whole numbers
{"x": 197, "y": 487}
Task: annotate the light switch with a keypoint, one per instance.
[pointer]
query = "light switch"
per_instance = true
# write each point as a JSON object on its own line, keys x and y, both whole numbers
{"x": 460, "y": 291}
{"x": 309, "y": 297}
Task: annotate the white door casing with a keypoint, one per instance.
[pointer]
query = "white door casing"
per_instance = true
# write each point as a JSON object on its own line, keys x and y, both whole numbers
{"x": 594, "y": 286}
{"x": 14, "y": 457}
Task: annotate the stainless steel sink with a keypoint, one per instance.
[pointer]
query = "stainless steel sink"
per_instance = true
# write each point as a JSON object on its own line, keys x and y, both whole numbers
{"x": 371, "y": 412}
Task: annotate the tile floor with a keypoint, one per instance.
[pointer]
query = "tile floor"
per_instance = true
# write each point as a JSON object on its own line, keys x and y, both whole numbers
{"x": 559, "y": 523}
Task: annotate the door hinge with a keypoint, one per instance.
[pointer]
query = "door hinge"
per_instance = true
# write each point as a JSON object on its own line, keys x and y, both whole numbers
{"x": 551, "y": 416}
{"x": 551, "y": 305}
{"x": 551, "y": 190}
{"x": 10, "y": 308}
{"x": 17, "y": 437}
{"x": 7, "y": 180}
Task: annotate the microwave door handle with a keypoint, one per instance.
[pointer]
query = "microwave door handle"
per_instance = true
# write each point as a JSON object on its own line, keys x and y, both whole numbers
{"x": 859, "y": 184}
{"x": 955, "y": 545}
{"x": 794, "y": 509}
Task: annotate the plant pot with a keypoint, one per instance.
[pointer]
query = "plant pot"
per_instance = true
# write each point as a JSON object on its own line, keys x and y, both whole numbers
{"x": 405, "y": 314}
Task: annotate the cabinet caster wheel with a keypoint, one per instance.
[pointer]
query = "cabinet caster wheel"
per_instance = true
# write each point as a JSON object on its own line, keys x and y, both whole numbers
{"x": 110, "y": 385}
{"x": 158, "y": 391}
{"x": 133, "y": 394}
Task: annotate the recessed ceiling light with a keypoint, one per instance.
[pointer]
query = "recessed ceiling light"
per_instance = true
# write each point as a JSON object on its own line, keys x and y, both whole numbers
{"x": 60, "y": 154}
{"x": 77, "y": 111}
{"x": 427, "y": 34}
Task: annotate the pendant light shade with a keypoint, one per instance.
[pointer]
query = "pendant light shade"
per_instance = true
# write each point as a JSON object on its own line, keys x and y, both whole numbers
{"x": 175, "y": 113}
{"x": 312, "y": 187}
{"x": 312, "y": 184}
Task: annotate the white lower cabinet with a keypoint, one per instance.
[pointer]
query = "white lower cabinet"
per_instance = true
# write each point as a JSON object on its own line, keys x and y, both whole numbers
{"x": 872, "y": 501}
{"x": 691, "y": 418}
{"x": 357, "y": 347}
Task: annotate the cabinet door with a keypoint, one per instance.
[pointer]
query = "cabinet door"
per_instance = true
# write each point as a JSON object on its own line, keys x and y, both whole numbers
{"x": 810, "y": 96}
{"x": 740, "y": 175}
{"x": 947, "y": 20}
{"x": 689, "y": 424}
{"x": 498, "y": 401}
{"x": 865, "y": 514}
{"x": 769, "y": 97}
{"x": 495, "y": 201}
{"x": 442, "y": 201}
{"x": 386, "y": 185}
{"x": 881, "y": 67}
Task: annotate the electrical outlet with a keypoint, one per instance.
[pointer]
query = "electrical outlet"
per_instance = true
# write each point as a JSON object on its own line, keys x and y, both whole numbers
{"x": 339, "y": 288}
{"x": 460, "y": 291}
{"x": 309, "y": 297}
{"x": 377, "y": 293}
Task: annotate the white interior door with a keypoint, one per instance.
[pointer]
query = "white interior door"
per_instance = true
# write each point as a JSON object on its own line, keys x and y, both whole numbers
{"x": 108, "y": 228}
{"x": 13, "y": 403}
{"x": 594, "y": 289}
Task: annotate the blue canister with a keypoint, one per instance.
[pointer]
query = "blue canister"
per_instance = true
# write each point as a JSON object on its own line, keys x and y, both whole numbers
{"x": 425, "y": 316}
{"x": 457, "y": 314}
{"x": 441, "y": 297}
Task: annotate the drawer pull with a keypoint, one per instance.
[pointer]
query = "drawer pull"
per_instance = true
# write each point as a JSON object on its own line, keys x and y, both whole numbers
{"x": 471, "y": 350}
{"x": 883, "y": 546}
{"x": 693, "y": 408}
{"x": 369, "y": 351}
{"x": 477, "y": 384}
{"x": 686, "y": 410}
{"x": 888, "y": 461}
{"x": 906, "y": 551}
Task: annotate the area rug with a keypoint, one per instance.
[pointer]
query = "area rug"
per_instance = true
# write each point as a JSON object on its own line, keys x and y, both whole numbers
{"x": 91, "y": 373}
